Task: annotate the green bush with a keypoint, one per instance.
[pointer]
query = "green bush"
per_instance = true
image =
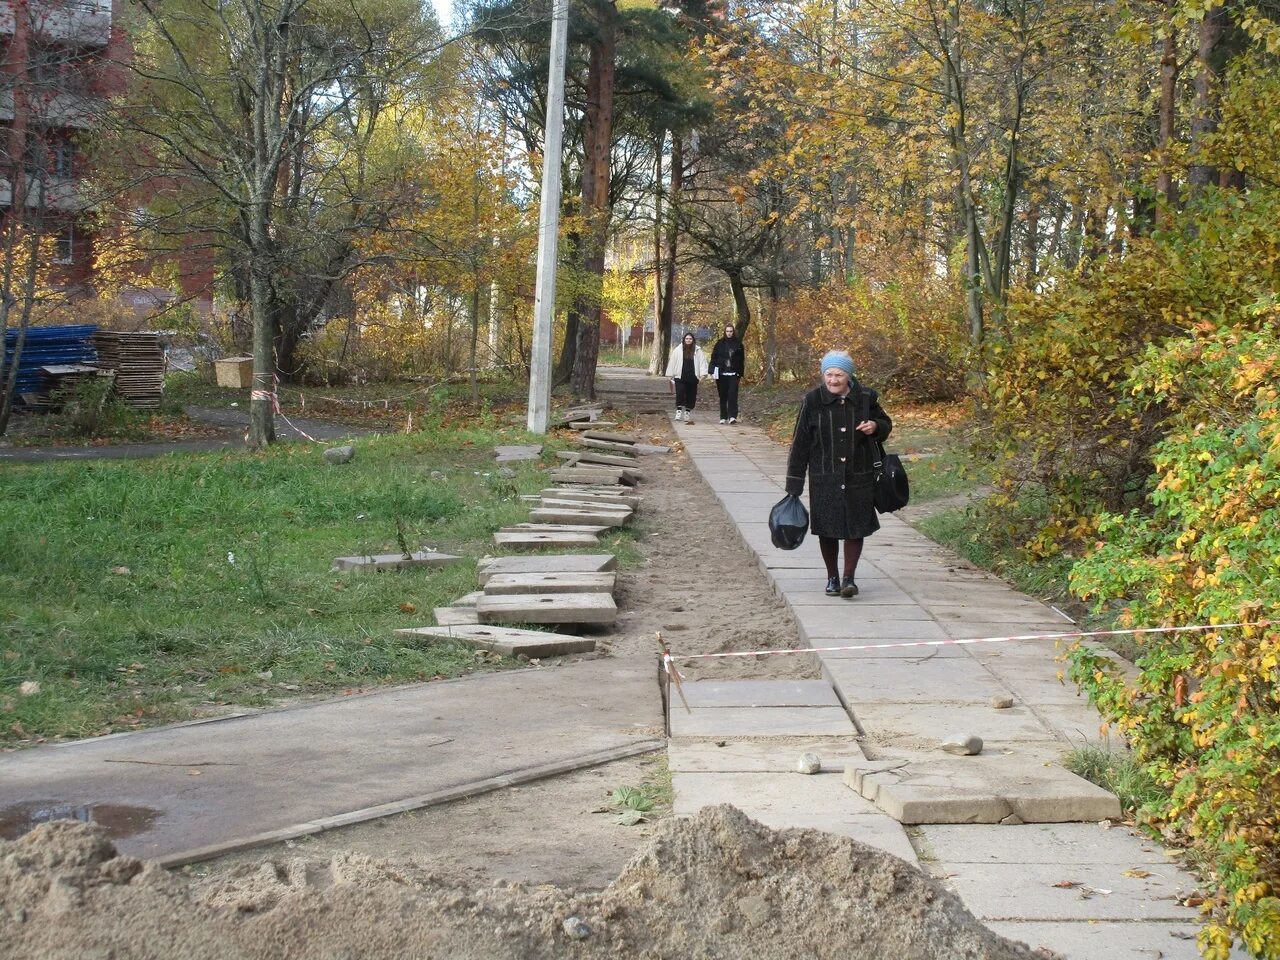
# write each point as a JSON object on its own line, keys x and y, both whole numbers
{"x": 1203, "y": 714}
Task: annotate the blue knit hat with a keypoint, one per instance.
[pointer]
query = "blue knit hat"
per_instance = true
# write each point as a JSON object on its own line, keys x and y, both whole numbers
{"x": 839, "y": 360}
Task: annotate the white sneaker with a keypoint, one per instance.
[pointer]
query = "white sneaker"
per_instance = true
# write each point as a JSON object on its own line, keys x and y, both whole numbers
{"x": 733, "y": 419}
{"x": 722, "y": 420}
{"x": 688, "y": 416}
{"x": 679, "y": 414}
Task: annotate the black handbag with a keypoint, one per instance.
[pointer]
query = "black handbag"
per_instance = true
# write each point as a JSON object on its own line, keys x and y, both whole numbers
{"x": 788, "y": 523}
{"x": 892, "y": 491}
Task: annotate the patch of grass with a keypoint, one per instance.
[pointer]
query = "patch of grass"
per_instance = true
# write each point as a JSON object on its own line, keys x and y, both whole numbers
{"x": 1116, "y": 771}
{"x": 651, "y": 799}
{"x": 632, "y": 356}
{"x": 136, "y": 592}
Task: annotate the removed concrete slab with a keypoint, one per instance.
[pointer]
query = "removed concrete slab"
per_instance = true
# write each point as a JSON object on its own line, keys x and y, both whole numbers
{"x": 511, "y": 454}
{"x": 728, "y": 722}
{"x": 587, "y": 608}
{"x": 600, "y": 459}
{"x": 557, "y": 582}
{"x": 603, "y": 475}
{"x": 994, "y": 789}
{"x": 382, "y": 562}
{"x": 508, "y": 641}
{"x": 627, "y": 438}
{"x": 588, "y": 518}
{"x": 489, "y": 567}
{"x": 530, "y": 527}
{"x": 532, "y": 540}
{"x": 455, "y": 616}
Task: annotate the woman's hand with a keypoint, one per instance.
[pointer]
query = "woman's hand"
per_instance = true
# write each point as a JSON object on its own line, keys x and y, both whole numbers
{"x": 866, "y": 426}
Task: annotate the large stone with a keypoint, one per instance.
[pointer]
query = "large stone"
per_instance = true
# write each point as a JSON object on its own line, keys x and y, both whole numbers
{"x": 508, "y": 641}
{"x": 490, "y": 567}
{"x": 338, "y": 455}
{"x": 557, "y": 582}
{"x": 961, "y": 745}
{"x": 548, "y": 608}
{"x": 381, "y": 562}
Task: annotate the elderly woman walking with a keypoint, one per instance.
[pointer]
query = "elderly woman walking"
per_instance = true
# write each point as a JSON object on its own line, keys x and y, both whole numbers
{"x": 837, "y": 423}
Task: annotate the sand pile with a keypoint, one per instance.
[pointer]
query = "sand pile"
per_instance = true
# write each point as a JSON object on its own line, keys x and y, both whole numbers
{"x": 718, "y": 885}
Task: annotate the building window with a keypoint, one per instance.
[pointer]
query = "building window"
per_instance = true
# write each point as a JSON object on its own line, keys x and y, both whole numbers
{"x": 65, "y": 244}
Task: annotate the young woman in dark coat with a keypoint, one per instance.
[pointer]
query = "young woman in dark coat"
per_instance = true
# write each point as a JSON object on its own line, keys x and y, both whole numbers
{"x": 833, "y": 444}
{"x": 727, "y": 362}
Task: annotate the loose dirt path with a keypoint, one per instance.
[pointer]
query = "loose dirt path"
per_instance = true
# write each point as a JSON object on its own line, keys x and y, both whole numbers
{"x": 701, "y": 588}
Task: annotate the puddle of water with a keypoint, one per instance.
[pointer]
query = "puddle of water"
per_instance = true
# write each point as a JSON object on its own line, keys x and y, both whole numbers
{"x": 119, "y": 819}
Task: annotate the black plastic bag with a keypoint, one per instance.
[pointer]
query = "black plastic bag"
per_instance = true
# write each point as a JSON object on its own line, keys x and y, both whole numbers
{"x": 788, "y": 523}
{"x": 892, "y": 492}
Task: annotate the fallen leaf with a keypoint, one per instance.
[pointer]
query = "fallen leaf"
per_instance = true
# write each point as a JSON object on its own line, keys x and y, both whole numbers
{"x": 1137, "y": 874}
{"x": 408, "y": 608}
{"x": 195, "y": 773}
{"x": 1067, "y": 884}
{"x": 121, "y": 571}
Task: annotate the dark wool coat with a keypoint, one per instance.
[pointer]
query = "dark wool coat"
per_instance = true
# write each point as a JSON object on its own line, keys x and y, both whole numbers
{"x": 839, "y": 461}
{"x": 728, "y": 355}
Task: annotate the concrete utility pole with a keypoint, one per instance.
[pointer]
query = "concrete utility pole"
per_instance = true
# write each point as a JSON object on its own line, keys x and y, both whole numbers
{"x": 544, "y": 304}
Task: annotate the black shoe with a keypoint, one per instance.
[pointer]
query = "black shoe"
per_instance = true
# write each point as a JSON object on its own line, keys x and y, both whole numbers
{"x": 847, "y": 588}
{"x": 833, "y": 586}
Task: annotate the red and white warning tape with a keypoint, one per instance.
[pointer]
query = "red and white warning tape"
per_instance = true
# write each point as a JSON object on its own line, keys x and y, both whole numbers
{"x": 274, "y": 399}
{"x": 670, "y": 658}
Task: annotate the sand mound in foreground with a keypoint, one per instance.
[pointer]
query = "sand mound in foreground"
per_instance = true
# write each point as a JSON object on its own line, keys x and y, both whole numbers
{"x": 715, "y": 885}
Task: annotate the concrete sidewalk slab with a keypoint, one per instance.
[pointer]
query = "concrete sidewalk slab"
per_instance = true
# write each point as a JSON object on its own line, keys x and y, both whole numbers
{"x": 932, "y": 722}
{"x": 760, "y": 693}
{"x": 726, "y": 722}
{"x": 266, "y": 774}
{"x": 1091, "y": 940}
{"x": 903, "y": 681}
{"x": 1061, "y": 843}
{"x": 758, "y": 793}
{"x": 985, "y": 889}
{"x": 532, "y": 540}
{"x": 760, "y": 756}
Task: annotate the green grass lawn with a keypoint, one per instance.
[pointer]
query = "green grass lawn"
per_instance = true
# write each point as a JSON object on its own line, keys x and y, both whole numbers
{"x": 136, "y": 592}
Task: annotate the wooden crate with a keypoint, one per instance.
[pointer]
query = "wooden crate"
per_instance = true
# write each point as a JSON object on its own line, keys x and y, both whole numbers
{"x": 234, "y": 371}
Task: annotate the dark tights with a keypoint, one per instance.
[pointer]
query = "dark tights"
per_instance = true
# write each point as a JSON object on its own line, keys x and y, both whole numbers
{"x": 830, "y": 549}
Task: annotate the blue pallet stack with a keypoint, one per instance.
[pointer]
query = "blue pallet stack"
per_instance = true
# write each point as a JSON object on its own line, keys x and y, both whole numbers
{"x": 47, "y": 346}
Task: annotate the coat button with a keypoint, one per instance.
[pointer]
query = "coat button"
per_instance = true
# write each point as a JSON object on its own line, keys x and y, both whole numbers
{"x": 843, "y": 429}
{"x": 843, "y": 459}
{"x": 842, "y": 486}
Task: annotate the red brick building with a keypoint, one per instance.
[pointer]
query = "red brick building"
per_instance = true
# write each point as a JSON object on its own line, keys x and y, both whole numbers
{"x": 59, "y": 61}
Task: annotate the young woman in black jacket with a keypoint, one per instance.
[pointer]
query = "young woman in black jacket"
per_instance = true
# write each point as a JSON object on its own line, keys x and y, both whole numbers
{"x": 727, "y": 362}
{"x": 833, "y": 444}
